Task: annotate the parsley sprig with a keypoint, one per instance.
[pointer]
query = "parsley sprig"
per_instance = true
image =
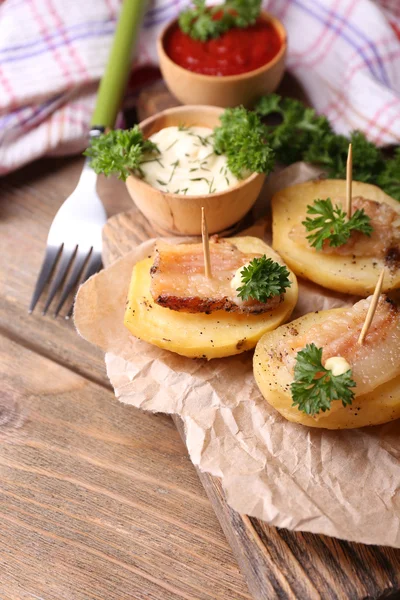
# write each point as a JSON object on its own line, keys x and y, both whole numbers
{"x": 262, "y": 279}
{"x": 203, "y": 22}
{"x": 315, "y": 388}
{"x": 331, "y": 224}
{"x": 296, "y": 128}
{"x": 242, "y": 137}
{"x": 119, "y": 152}
{"x": 302, "y": 134}
{"x": 389, "y": 178}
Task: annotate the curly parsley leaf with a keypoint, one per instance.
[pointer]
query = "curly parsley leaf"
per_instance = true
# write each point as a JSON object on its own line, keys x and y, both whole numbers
{"x": 315, "y": 388}
{"x": 242, "y": 138}
{"x": 198, "y": 22}
{"x": 246, "y": 12}
{"x": 297, "y": 126}
{"x": 330, "y": 223}
{"x": 203, "y": 22}
{"x": 262, "y": 279}
{"x": 302, "y": 134}
{"x": 389, "y": 178}
{"x": 330, "y": 152}
{"x": 119, "y": 152}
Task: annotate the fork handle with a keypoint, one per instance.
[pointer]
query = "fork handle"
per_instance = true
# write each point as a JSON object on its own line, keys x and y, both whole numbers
{"x": 114, "y": 80}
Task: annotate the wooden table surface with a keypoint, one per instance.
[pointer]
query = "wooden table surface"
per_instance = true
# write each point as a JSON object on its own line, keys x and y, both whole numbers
{"x": 93, "y": 504}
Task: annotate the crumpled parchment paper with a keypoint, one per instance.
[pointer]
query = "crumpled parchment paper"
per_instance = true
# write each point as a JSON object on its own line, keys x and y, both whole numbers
{"x": 340, "y": 483}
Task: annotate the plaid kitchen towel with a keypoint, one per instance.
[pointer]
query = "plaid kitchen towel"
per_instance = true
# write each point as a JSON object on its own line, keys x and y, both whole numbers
{"x": 346, "y": 54}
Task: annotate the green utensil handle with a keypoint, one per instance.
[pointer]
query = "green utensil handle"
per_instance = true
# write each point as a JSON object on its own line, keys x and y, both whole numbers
{"x": 113, "y": 83}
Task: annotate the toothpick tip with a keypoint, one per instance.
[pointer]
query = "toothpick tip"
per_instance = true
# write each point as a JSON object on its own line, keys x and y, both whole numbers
{"x": 372, "y": 308}
{"x": 206, "y": 244}
{"x": 349, "y": 177}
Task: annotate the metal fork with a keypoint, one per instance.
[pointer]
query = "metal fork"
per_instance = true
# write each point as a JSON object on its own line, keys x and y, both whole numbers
{"x": 74, "y": 240}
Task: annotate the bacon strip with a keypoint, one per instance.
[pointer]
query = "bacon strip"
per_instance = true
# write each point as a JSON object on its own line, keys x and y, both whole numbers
{"x": 384, "y": 241}
{"x": 178, "y": 281}
{"x": 374, "y": 362}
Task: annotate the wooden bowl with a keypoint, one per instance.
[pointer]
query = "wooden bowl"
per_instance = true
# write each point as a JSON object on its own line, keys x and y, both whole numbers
{"x": 181, "y": 214}
{"x": 230, "y": 90}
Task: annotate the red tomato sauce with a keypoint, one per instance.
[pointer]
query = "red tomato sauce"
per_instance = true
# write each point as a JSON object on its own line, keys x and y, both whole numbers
{"x": 236, "y": 51}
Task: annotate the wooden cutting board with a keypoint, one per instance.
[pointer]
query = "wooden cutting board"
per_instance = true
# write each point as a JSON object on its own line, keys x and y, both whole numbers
{"x": 277, "y": 563}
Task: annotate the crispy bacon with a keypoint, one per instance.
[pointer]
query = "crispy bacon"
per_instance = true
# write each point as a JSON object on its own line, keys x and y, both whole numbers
{"x": 374, "y": 362}
{"x": 384, "y": 241}
{"x": 178, "y": 281}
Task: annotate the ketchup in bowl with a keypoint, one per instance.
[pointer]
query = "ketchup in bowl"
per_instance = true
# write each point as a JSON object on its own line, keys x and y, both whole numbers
{"x": 234, "y": 52}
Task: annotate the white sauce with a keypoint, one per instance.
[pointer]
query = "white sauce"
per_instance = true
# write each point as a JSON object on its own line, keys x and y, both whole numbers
{"x": 338, "y": 365}
{"x": 236, "y": 281}
{"x": 187, "y": 163}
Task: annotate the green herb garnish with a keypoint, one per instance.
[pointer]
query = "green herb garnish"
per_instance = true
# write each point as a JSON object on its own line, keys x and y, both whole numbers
{"x": 330, "y": 223}
{"x": 171, "y": 145}
{"x": 263, "y": 278}
{"x": 200, "y": 179}
{"x": 174, "y": 165}
{"x": 315, "y": 388}
{"x": 297, "y": 126}
{"x": 389, "y": 178}
{"x": 242, "y": 137}
{"x": 119, "y": 152}
{"x": 204, "y": 141}
{"x": 302, "y": 134}
{"x": 204, "y": 22}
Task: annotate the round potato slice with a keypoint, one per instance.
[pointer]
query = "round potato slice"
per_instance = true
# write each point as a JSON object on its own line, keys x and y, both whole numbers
{"x": 274, "y": 380}
{"x": 200, "y": 335}
{"x": 347, "y": 274}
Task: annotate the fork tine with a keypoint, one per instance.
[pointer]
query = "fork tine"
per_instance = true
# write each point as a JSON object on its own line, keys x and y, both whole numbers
{"x": 94, "y": 265}
{"x": 79, "y": 263}
{"x": 70, "y": 311}
{"x": 49, "y": 261}
{"x": 65, "y": 261}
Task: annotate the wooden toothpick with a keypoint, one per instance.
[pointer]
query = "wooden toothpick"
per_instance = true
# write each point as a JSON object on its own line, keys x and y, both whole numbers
{"x": 206, "y": 244}
{"x": 372, "y": 308}
{"x": 349, "y": 180}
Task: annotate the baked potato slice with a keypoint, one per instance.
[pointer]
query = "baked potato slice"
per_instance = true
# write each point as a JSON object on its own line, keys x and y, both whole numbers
{"x": 202, "y": 335}
{"x": 274, "y": 380}
{"x": 347, "y": 274}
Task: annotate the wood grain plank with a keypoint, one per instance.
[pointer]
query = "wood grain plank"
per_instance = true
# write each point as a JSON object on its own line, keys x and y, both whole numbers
{"x": 90, "y": 505}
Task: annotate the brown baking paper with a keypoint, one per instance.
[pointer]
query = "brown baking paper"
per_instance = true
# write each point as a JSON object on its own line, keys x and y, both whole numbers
{"x": 340, "y": 483}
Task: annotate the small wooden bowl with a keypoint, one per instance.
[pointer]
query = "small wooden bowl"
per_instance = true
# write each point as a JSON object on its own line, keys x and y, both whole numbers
{"x": 181, "y": 214}
{"x": 231, "y": 90}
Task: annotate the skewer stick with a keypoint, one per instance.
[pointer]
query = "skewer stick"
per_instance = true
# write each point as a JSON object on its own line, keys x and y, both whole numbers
{"x": 372, "y": 308}
{"x": 206, "y": 244}
{"x": 349, "y": 180}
